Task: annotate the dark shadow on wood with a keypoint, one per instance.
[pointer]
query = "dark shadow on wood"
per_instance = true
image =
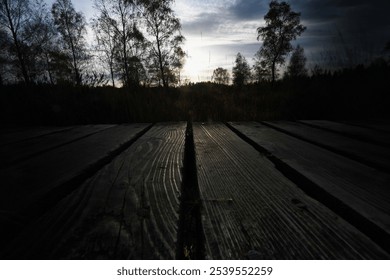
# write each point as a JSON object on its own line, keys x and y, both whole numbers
{"x": 47, "y": 149}
{"x": 51, "y": 198}
{"x": 370, "y": 163}
{"x": 364, "y": 138}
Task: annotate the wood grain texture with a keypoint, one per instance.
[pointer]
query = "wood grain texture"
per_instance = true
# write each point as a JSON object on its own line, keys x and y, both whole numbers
{"x": 127, "y": 210}
{"x": 361, "y": 188}
{"x": 22, "y": 150}
{"x": 29, "y": 185}
{"x": 360, "y": 133}
{"x": 250, "y": 210}
{"x": 370, "y": 154}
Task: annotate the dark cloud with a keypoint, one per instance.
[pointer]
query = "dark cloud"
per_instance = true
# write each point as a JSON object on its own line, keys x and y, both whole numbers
{"x": 343, "y": 13}
{"x": 249, "y": 9}
{"x": 352, "y": 23}
{"x": 352, "y": 18}
{"x": 311, "y": 9}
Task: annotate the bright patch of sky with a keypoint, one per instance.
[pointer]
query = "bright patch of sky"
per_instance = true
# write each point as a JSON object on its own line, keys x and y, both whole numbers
{"x": 214, "y": 36}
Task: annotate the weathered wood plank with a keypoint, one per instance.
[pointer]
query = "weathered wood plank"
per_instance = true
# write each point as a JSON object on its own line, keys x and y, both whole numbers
{"x": 370, "y": 154}
{"x": 29, "y": 186}
{"x": 127, "y": 210}
{"x": 361, "y": 188}
{"x": 15, "y": 135}
{"x": 250, "y": 208}
{"x": 380, "y": 126}
{"x": 361, "y": 133}
{"x": 21, "y": 150}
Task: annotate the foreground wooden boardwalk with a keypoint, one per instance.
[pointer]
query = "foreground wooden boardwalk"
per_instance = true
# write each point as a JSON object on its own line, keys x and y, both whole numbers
{"x": 271, "y": 190}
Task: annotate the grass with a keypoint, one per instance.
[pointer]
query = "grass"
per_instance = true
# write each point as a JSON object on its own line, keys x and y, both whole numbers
{"x": 356, "y": 93}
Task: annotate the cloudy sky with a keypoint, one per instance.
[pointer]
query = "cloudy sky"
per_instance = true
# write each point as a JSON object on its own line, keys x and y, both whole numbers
{"x": 216, "y": 30}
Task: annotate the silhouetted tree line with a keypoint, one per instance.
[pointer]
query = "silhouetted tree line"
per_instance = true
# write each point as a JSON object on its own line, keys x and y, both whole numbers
{"x": 135, "y": 43}
{"x": 139, "y": 43}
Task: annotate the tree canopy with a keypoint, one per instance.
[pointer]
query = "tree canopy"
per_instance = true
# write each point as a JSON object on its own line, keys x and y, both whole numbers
{"x": 241, "y": 71}
{"x": 71, "y": 25}
{"x": 14, "y": 19}
{"x": 282, "y": 25}
{"x": 121, "y": 42}
{"x": 163, "y": 27}
{"x": 297, "y": 65}
{"x": 137, "y": 42}
{"x": 221, "y": 76}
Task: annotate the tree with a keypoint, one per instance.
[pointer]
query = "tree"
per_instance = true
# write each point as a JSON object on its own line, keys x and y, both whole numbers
{"x": 261, "y": 69}
{"x": 177, "y": 64}
{"x": 124, "y": 44}
{"x": 317, "y": 71}
{"x": 163, "y": 28}
{"x": 72, "y": 27}
{"x": 26, "y": 31}
{"x": 282, "y": 25}
{"x": 297, "y": 65}
{"x": 14, "y": 17}
{"x": 105, "y": 42}
{"x": 221, "y": 76}
{"x": 241, "y": 71}
{"x": 4, "y": 60}
{"x": 40, "y": 40}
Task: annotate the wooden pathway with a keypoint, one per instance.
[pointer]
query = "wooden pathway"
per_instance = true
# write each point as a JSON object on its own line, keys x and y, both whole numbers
{"x": 271, "y": 190}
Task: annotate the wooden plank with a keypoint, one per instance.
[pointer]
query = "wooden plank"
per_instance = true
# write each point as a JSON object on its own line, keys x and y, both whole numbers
{"x": 127, "y": 210}
{"x": 360, "y": 133}
{"x": 383, "y": 126}
{"x": 31, "y": 186}
{"x": 15, "y": 152}
{"x": 361, "y": 188}
{"x": 251, "y": 210}
{"x": 370, "y": 154}
{"x": 15, "y": 135}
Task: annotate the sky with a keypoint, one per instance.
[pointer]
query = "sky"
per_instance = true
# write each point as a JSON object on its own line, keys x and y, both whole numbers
{"x": 216, "y": 30}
